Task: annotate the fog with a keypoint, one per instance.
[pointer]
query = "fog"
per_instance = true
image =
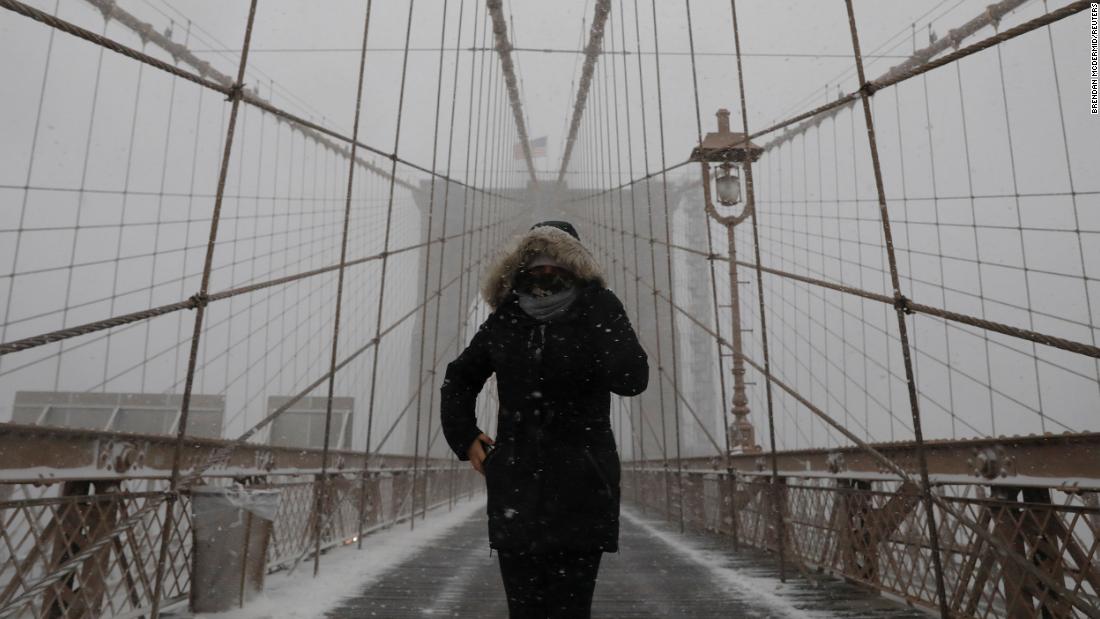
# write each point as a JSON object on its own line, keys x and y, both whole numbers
{"x": 109, "y": 168}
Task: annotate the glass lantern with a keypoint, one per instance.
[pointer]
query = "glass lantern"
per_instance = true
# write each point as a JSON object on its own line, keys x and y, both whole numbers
{"x": 727, "y": 182}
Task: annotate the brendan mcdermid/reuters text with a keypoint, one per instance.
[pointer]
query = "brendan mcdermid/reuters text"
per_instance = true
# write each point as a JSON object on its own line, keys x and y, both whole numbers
{"x": 1094, "y": 79}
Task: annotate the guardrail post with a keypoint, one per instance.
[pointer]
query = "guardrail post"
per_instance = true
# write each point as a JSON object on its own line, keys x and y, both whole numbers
{"x": 778, "y": 525}
{"x": 731, "y": 511}
{"x": 75, "y": 526}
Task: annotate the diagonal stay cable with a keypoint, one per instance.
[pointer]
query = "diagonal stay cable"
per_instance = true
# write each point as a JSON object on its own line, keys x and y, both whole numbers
{"x": 995, "y": 543}
{"x": 910, "y": 305}
{"x": 895, "y": 77}
{"x": 200, "y": 313}
{"x": 216, "y": 458}
{"x": 903, "y": 327}
{"x": 201, "y": 78}
{"x": 630, "y": 183}
{"x": 193, "y": 302}
{"x": 182, "y": 54}
{"x": 427, "y": 261}
{"x": 322, "y": 496}
{"x": 661, "y": 370}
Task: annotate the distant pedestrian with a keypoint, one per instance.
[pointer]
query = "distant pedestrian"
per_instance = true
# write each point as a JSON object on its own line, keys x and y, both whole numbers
{"x": 560, "y": 344}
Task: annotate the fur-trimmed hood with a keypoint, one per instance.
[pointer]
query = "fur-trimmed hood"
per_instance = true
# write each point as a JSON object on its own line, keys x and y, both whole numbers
{"x": 556, "y": 243}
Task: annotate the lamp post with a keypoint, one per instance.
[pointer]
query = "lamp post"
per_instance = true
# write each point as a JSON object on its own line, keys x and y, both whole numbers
{"x": 728, "y": 152}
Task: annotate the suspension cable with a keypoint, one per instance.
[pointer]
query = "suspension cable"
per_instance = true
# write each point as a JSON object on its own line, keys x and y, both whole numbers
{"x": 893, "y": 78}
{"x": 427, "y": 269}
{"x": 435, "y": 356}
{"x": 217, "y": 82}
{"x": 903, "y": 330}
{"x": 200, "y": 312}
{"x": 591, "y": 55}
{"x": 504, "y": 49}
{"x": 652, "y": 258}
{"x": 668, "y": 255}
{"x": 322, "y": 495}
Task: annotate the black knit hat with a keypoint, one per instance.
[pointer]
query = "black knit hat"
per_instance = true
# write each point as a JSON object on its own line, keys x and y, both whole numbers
{"x": 564, "y": 226}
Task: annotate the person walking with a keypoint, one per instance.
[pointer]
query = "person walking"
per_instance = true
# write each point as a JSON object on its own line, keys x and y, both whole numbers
{"x": 560, "y": 344}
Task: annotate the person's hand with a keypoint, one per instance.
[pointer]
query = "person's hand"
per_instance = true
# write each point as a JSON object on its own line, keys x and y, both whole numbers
{"x": 476, "y": 452}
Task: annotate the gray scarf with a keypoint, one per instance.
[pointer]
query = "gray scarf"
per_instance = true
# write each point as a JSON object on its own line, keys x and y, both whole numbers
{"x": 549, "y": 306}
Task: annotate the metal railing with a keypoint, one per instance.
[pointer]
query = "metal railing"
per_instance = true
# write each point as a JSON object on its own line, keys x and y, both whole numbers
{"x": 84, "y": 540}
{"x": 1008, "y": 551}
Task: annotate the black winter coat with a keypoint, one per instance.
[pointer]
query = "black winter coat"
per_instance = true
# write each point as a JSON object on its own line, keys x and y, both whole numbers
{"x": 553, "y": 480}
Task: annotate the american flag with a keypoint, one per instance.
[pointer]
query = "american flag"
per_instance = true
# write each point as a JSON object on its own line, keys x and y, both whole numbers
{"x": 538, "y": 148}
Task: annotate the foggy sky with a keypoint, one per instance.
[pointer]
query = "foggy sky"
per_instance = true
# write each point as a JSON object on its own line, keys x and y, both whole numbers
{"x": 137, "y": 167}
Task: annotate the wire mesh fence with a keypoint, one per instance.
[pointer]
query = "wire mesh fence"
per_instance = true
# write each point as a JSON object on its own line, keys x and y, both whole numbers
{"x": 910, "y": 262}
{"x": 914, "y": 261}
{"x": 192, "y": 249}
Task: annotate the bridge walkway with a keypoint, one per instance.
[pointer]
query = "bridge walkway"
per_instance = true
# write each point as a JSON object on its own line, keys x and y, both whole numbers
{"x": 657, "y": 574}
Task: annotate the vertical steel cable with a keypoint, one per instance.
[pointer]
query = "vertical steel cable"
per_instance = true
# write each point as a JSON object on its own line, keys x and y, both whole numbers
{"x": 939, "y": 252}
{"x": 29, "y": 175}
{"x": 492, "y": 163}
{"x": 283, "y": 294}
{"x": 610, "y": 173}
{"x": 603, "y": 141}
{"x": 322, "y": 494}
{"x": 79, "y": 197}
{"x": 1020, "y": 233}
{"x": 821, "y": 225}
{"x": 839, "y": 252}
{"x": 233, "y": 248}
{"x": 488, "y": 209}
{"x": 1072, "y": 188}
{"x": 427, "y": 271}
{"x": 460, "y": 310}
{"x": 750, "y": 194}
{"x": 977, "y": 246}
{"x": 668, "y": 260}
{"x": 443, "y": 246}
{"x": 122, "y": 216}
{"x": 862, "y": 318}
{"x": 618, "y": 174}
{"x": 386, "y": 243}
{"x": 624, "y": 405}
{"x": 502, "y": 137}
{"x": 714, "y": 284}
{"x": 909, "y": 263}
{"x": 607, "y": 155}
{"x": 653, "y": 267}
{"x": 487, "y": 154}
{"x": 639, "y": 455}
{"x": 473, "y": 137}
{"x": 483, "y": 152}
{"x": 614, "y": 164}
{"x": 711, "y": 253}
{"x": 190, "y": 200}
{"x": 900, "y": 303}
{"x": 190, "y": 212}
{"x": 200, "y": 311}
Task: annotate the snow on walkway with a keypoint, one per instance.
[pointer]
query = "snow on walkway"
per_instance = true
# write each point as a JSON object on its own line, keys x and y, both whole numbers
{"x": 765, "y": 594}
{"x": 346, "y": 571}
{"x": 443, "y": 568}
{"x": 658, "y": 574}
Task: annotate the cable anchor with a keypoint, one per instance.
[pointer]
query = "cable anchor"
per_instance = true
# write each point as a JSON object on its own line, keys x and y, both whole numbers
{"x": 903, "y": 304}
{"x": 236, "y": 92}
